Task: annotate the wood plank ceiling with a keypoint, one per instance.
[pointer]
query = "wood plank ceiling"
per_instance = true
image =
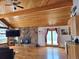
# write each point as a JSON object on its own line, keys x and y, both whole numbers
{"x": 38, "y": 13}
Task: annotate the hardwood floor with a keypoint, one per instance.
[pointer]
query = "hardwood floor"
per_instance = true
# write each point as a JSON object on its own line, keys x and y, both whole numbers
{"x": 39, "y": 53}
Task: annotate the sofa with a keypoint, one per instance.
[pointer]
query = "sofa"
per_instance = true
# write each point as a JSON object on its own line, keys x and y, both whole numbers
{"x": 6, "y": 53}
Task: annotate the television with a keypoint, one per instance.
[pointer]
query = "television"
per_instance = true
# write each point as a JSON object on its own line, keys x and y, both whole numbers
{"x": 12, "y": 33}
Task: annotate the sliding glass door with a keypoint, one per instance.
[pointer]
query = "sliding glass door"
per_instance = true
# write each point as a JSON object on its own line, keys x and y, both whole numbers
{"x": 52, "y": 38}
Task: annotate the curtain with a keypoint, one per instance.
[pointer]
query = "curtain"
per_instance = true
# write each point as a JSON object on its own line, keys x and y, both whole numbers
{"x": 58, "y": 38}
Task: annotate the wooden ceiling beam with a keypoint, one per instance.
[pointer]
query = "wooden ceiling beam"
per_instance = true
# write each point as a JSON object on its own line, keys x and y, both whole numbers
{"x": 7, "y": 23}
{"x": 28, "y": 11}
{"x": 38, "y": 23}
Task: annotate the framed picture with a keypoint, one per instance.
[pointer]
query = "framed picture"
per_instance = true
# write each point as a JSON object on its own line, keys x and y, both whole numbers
{"x": 64, "y": 31}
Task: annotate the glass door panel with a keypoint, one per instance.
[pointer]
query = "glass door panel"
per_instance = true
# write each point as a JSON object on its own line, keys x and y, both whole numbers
{"x": 54, "y": 36}
{"x": 49, "y": 41}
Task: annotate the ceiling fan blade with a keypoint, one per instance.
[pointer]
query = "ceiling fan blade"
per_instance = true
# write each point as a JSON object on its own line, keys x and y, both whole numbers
{"x": 20, "y": 7}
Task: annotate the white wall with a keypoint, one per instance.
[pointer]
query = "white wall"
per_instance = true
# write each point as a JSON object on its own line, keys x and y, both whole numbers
{"x": 76, "y": 3}
{"x": 42, "y": 32}
{"x": 41, "y": 36}
{"x": 64, "y": 38}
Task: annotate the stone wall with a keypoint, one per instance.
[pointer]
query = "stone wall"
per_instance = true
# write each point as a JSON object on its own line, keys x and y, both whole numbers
{"x": 30, "y": 33}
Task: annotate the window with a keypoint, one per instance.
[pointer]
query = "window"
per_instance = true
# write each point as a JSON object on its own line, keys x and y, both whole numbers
{"x": 2, "y": 24}
{"x": 3, "y": 38}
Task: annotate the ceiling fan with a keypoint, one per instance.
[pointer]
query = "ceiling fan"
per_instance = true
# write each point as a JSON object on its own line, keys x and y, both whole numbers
{"x": 14, "y": 3}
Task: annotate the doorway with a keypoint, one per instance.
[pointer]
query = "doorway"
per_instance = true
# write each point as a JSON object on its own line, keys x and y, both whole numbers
{"x": 52, "y": 38}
